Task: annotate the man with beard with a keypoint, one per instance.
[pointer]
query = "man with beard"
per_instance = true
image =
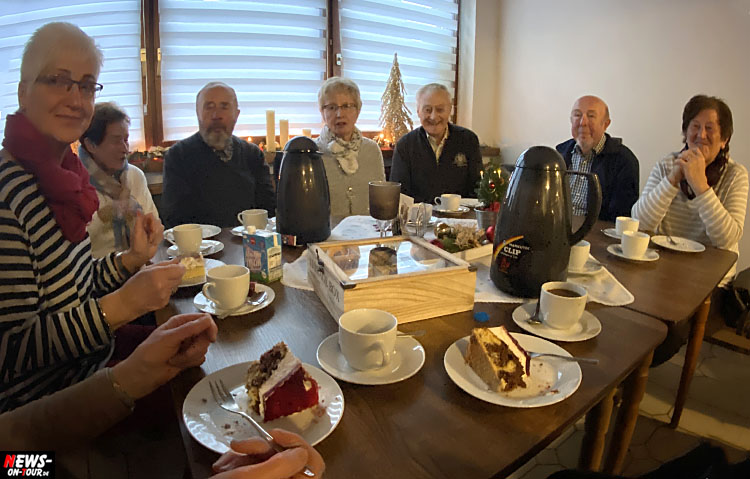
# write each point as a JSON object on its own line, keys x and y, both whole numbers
{"x": 213, "y": 175}
{"x": 438, "y": 157}
{"x": 591, "y": 150}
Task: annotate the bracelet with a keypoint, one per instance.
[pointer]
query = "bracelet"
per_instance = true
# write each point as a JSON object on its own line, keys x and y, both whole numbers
{"x": 120, "y": 392}
{"x": 121, "y": 267}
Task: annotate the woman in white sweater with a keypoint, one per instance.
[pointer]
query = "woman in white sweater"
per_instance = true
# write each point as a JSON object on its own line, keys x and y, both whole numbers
{"x": 699, "y": 193}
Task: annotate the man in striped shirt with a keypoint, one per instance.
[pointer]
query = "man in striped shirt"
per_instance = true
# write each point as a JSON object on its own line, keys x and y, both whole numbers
{"x": 591, "y": 150}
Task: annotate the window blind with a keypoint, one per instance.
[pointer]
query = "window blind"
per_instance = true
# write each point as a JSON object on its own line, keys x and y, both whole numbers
{"x": 424, "y": 33}
{"x": 272, "y": 54}
{"x": 114, "y": 25}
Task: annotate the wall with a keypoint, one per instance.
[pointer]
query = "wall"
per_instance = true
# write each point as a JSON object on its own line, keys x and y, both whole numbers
{"x": 645, "y": 58}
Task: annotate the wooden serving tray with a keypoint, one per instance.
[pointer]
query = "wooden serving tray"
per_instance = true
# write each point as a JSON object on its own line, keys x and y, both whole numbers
{"x": 406, "y": 276}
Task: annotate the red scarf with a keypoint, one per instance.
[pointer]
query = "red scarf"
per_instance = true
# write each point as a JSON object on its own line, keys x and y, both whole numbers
{"x": 64, "y": 185}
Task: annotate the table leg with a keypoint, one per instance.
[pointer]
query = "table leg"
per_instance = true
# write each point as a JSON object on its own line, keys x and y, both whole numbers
{"x": 597, "y": 424}
{"x": 633, "y": 390}
{"x": 695, "y": 341}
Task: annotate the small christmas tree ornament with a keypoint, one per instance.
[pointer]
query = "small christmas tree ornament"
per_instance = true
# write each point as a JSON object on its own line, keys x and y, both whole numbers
{"x": 394, "y": 115}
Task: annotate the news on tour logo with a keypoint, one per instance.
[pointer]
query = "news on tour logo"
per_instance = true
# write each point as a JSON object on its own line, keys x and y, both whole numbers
{"x": 27, "y": 464}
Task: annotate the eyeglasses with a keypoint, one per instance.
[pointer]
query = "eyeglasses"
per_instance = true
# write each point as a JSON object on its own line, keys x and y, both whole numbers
{"x": 63, "y": 84}
{"x": 333, "y": 108}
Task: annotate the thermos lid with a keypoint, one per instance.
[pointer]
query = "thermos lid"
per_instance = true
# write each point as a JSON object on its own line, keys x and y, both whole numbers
{"x": 541, "y": 158}
{"x": 301, "y": 144}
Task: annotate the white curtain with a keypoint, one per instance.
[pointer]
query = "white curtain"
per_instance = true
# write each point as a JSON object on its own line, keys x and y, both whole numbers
{"x": 424, "y": 33}
{"x": 272, "y": 53}
{"x": 115, "y": 26}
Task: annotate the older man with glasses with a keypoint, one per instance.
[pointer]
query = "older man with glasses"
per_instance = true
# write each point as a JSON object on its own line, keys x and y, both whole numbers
{"x": 213, "y": 175}
{"x": 438, "y": 157}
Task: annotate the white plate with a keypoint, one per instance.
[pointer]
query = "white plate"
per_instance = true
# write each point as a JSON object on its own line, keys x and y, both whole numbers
{"x": 650, "y": 255}
{"x": 588, "y": 327}
{"x": 207, "y": 422}
{"x": 550, "y": 381}
{"x": 208, "y": 247}
{"x": 207, "y": 264}
{"x": 207, "y": 306}
{"x": 271, "y": 226}
{"x": 589, "y": 268}
{"x": 433, "y": 220}
{"x": 406, "y": 362}
{"x": 444, "y": 210}
{"x": 683, "y": 244}
{"x": 611, "y": 232}
{"x": 207, "y": 231}
{"x": 469, "y": 202}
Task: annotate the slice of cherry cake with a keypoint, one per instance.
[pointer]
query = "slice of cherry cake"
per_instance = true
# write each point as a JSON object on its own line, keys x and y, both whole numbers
{"x": 277, "y": 384}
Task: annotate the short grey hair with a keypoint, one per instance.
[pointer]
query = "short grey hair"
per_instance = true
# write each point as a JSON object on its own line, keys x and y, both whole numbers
{"x": 216, "y": 84}
{"x": 49, "y": 40}
{"x": 432, "y": 87}
{"x": 339, "y": 85}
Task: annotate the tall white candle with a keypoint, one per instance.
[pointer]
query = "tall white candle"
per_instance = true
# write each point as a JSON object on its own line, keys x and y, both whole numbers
{"x": 283, "y": 132}
{"x": 270, "y": 130}
{"x": 307, "y": 132}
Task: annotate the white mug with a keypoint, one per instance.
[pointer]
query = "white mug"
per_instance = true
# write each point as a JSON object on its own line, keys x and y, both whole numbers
{"x": 579, "y": 254}
{"x": 625, "y": 223}
{"x": 634, "y": 244}
{"x": 367, "y": 338}
{"x": 448, "y": 201}
{"x": 227, "y": 286}
{"x": 254, "y": 217}
{"x": 188, "y": 238}
{"x": 414, "y": 212}
{"x": 561, "y": 304}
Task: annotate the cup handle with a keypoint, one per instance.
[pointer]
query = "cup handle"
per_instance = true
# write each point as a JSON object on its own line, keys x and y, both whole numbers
{"x": 239, "y": 218}
{"x": 386, "y": 354}
{"x": 206, "y": 287}
{"x": 437, "y": 200}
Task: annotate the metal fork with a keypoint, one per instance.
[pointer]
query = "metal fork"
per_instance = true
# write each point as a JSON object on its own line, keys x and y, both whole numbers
{"x": 226, "y": 401}
{"x": 566, "y": 358}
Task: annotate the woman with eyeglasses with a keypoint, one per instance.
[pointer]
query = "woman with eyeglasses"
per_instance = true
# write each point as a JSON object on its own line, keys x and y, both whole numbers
{"x": 351, "y": 160}
{"x": 58, "y": 306}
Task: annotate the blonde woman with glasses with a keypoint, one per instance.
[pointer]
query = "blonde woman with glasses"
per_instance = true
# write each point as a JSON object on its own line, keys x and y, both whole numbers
{"x": 351, "y": 160}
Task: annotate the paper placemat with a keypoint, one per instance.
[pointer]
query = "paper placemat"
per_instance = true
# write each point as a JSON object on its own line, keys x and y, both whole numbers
{"x": 602, "y": 287}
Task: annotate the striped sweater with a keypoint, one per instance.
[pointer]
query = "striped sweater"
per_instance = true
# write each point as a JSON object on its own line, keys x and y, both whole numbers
{"x": 52, "y": 332}
{"x": 716, "y": 217}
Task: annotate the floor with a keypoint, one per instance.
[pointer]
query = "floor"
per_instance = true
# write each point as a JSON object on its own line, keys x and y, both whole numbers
{"x": 718, "y": 409}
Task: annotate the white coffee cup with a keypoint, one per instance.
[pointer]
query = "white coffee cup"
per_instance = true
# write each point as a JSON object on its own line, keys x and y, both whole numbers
{"x": 415, "y": 209}
{"x": 188, "y": 238}
{"x": 254, "y": 217}
{"x": 579, "y": 254}
{"x": 634, "y": 244}
{"x": 448, "y": 201}
{"x": 625, "y": 223}
{"x": 367, "y": 338}
{"x": 227, "y": 286}
{"x": 558, "y": 310}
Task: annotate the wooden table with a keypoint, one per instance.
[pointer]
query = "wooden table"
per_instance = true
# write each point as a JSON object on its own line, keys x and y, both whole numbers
{"x": 675, "y": 288}
{"x": 426, "y": 426}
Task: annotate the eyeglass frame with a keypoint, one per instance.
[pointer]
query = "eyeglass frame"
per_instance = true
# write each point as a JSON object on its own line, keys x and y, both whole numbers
{"x": 334, "y": 108}
{"x": 55, "y": 80}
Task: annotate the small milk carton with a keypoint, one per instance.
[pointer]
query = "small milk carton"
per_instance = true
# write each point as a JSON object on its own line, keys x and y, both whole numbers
{"x": 262, "y": 255}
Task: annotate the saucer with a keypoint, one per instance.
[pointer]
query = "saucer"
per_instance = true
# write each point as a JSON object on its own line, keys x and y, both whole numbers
{"x": 588, "y": 327}
{"x": 406, "y": 362}
{"x": 207, "y": 306}
{"x": 207, "y": 231}
{"x": 589, "y": 268}
{"x": 446, "y": 211}
{"x": 207, "y": 264}
{"x": 208, "y": 247}
{"x": 611, "y": 232}
{"x": 616, "y": 249}
{"x": 683, "y": 245}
